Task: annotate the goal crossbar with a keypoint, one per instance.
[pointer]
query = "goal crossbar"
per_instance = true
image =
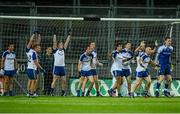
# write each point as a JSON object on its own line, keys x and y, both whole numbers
{"x": 83, "y": 18}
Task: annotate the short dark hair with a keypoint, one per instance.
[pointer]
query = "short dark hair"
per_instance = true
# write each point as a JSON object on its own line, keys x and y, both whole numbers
{"x": 10, "y": 43}
{"x": 60, "y": 42}
{"x": 126, "y": 42}
{"x": 166, "y": 38}
{"x": 117, "y": 44}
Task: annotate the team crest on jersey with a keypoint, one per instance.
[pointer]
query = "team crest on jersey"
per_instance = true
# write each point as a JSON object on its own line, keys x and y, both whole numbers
{"x": 61, "y": 53}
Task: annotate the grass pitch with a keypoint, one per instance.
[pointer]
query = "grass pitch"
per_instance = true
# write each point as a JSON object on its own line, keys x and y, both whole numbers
{"x": 20, "y": 104}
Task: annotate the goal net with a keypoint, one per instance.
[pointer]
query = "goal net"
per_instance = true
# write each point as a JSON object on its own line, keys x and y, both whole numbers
{"x": 105, "y": 33}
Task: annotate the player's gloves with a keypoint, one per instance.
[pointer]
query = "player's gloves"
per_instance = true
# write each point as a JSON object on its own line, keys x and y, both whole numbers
{"x": 2, "y": 72}
{"x": 156, "y": 43}
{"x": 157, "y": 65}
{"x": 17, "y": 72}
{"x": 55, "y": 30}
{"x": 36, "y": 31}
{"x": 79, "y": 75}
{"x": 43, "y": 71}
{"x": 69, "y": 32}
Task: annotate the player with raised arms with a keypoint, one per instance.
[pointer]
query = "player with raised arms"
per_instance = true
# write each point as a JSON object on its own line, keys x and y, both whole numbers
{"x": 33, "y": 64}
{"x": 59, "y": 49}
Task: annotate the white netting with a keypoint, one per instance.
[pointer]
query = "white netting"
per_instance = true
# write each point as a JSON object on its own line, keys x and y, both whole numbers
{"x": 104, "y": 33}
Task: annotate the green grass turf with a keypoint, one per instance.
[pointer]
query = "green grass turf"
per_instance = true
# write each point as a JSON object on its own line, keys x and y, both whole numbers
{"x": 20, "y": 104}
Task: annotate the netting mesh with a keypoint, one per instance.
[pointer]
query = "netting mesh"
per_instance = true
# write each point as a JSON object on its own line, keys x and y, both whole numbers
{"x": 104, "y": 34}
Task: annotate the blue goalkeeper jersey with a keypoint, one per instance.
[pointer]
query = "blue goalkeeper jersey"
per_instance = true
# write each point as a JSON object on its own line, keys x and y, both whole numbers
{"x": 163, "y": 56}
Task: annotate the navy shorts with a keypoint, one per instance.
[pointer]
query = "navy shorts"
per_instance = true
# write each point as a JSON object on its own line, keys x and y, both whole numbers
{"x": 126, "y": 72}
{"x": 117, "y": 73}
{"x": 142, "y": 74}
{"x": 9, "y": 73}
{"x": 164, "y": 70}
{"x": 94, "y": 72}
{"x": 32, "y": 74}
{"x": 59, "y": 71}
{"x": 86, "y": 73}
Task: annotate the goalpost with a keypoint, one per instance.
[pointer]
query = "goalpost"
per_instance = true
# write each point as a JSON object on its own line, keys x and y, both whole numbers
{"x": 105, "y": 32}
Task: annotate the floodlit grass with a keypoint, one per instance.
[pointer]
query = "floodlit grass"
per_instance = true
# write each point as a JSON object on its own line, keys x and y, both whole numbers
{"x": 56, "y": 104}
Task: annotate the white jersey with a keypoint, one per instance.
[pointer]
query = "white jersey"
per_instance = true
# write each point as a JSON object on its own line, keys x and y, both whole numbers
{"x": 126, "y": 54}
{"x": 9, "y": 58}
{"x": 94, "y": 54}
{"x": 117, "y": 61}
{"x": 86, "y": 60}
{"x": 32, "y": 56}
{"x": 142, "y": 62}
{"x": 59, "y": 57}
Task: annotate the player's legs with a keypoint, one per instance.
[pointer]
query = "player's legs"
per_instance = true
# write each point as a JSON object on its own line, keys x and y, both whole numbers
{"x": 6, "y": 85}
{"x": 28, "y": 87}
{"x": 36, "y": 86}
{"x": 119, "y": 80}
{"x": 1, "y": 85}
{"x": 11, "y": 80}
{"x": 95, "y": 76}
{"x": 169, "y": 81}
{"x": 114, "y": 85}
{"x": 81, "y": 79}
{"x": 129, "y": 84}
{"x": 138, "y": 90}
{"x": 160, "y": 78}
{"x": 167, "y": 87}
{"x": 161, "y": 75}
{"x": 32, "y": 75}
{"x": 55, "y": 78}
{"x": 96, "y": 85}
{"x": 32, "y": 87}
{"x": 84, "y": 85}
{"x": 63, "y": 84}
{"x": 147, "y": 85}
{"x": 58, "y": 72}
{"x": 118, "y": 75}
{"x": 137, "y": 84}
{"x": 127, "y": 74}
{"x": 91, "y": 79}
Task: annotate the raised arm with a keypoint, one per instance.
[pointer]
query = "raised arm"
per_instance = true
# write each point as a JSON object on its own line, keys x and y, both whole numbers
{"x": 137, "y": 49}
{"x": 38, "y": 39}
{"x": 54, "y": 42}
{"x": 142, "y": 44}
{"x": 67, "y": 41}
{"x": 30, "y": 41}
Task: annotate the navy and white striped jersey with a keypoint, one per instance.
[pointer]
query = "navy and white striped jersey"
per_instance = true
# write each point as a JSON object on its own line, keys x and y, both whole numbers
{"x": 31, "y": 56}
{"x": 86, "y": 60}
{"x": 9, "y": 58}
